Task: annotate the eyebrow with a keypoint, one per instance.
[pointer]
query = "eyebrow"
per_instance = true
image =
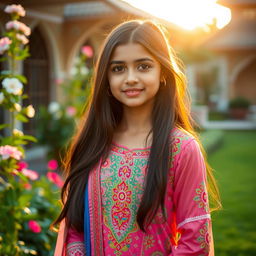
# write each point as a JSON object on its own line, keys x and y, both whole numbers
{"x": 138, "y": 60}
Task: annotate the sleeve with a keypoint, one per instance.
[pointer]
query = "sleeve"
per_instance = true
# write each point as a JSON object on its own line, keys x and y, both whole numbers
{"x": 75, "y": 243}
{"x": 193, "y": 231}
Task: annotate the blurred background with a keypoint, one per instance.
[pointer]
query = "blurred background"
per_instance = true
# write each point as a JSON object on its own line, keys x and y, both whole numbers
{"x": 216, "y": 42}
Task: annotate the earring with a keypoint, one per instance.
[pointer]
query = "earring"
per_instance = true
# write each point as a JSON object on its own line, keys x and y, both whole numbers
{"x": 163, "y": 81}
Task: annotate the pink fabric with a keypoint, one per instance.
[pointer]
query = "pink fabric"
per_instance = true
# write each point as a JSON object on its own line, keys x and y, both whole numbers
{"x": 187, "y": 231}
{"x": 60, "y": 249}
{"x": 75, "y": 243}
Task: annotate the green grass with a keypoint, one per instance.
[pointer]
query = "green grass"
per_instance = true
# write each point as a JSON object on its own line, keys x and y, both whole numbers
{"x": 234, "y": 227}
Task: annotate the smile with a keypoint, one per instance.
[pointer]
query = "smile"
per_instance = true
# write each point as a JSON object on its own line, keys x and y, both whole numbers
{"x": 133, "y": 92}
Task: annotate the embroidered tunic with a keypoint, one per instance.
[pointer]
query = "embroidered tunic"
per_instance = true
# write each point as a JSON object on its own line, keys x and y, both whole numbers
{"x": 187, "y": 230}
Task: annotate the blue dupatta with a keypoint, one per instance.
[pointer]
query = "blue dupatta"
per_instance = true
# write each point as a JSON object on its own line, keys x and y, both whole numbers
{"x": 87, "y": 236}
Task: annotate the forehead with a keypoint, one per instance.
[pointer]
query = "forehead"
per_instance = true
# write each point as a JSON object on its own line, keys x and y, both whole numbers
{"x": 130, "y": 52}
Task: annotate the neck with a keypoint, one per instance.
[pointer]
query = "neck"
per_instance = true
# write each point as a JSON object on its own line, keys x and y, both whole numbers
{"x": 136, "y": 120}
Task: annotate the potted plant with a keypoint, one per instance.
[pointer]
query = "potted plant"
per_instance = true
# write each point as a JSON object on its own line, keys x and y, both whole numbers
{"x": 239, "y": 107}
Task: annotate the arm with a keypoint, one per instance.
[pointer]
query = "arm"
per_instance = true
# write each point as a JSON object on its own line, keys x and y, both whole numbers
{"x": 192, "y": 228}
{"x": 75, "y": 243}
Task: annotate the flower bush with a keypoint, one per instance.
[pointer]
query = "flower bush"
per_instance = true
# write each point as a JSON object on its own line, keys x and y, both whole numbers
{"x": 57, "y": 122}
{"x": 28, "y": 202}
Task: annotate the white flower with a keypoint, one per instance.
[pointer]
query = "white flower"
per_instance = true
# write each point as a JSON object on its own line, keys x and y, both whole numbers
{"x": 53, "y": 107}
{"x": 1, "y": 97}
{"x": 17, "y": 132}
{"x": 30, "y": 111}
{"x": 84, "y": 70}
{"x": 17, "y": 107}
{"x": 22, "y": 38}
{"x": 12, "y": 85}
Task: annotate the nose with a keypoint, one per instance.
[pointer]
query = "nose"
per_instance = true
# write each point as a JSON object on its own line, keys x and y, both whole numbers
{"x": 131, "y": 78}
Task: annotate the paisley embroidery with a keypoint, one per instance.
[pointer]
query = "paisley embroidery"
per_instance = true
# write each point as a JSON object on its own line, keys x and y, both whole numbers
{"x": 121, "y": 199}
{"x": 124, "y": 172}
{"x": 204, "y": 239}
{"x": 201, "y": 198}
{"x": 122, "y": 183}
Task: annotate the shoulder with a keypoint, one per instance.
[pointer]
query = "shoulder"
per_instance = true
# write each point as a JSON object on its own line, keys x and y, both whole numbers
{"x": 181, "y": 137}
{"x": 181, "y": 142}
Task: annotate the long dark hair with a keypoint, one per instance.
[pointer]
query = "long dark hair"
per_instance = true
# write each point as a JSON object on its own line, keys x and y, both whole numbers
{"x": 95, "y": 132}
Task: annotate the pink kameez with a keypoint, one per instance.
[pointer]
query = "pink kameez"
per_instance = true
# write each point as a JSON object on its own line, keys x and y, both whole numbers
{"x": 187, "y": 230}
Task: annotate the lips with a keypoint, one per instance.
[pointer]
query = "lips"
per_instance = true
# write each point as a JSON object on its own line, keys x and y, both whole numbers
{"x": 132, "y": 92}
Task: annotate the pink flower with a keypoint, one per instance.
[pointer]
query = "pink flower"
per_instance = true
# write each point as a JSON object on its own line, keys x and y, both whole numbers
{"x": 19, "y": 26}
{"x": 22, "y": 38}
{"x": 34, "y": 226}
{"x": 10, "y": 151}
{"x": 58, "y": 81}
{"x": 71, "y": 111}
{"x": 4, "y": 44}
{"x": 52, "y": 165}
{"x": 27, "y": 186}
{"x": 33, "y": 175}
{"x": 55, "y": 178}
{"x": 14, "y": 8}
{"x": 22, "y": 165}
{"x": 87, "y": 51}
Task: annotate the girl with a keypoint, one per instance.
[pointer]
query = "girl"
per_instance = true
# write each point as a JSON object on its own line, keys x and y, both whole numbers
{"x": 136, "y": 178}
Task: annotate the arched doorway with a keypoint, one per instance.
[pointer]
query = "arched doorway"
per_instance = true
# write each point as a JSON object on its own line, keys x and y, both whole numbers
{"x": 36, "y": 69}
{"x": 245, "y": 83}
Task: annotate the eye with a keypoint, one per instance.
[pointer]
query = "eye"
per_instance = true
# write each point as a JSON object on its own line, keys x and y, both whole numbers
{"x": 144, "y": 67}
{"x": 118, "y": 68}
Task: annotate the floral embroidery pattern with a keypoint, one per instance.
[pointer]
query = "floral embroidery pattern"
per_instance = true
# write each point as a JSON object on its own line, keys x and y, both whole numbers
{"x": 122, "y": 181}
{"x": 204, "y": 238}
{"x": 124, "y": 172}
{"x": 148, "y": 242}
{"x": 121, "y": 199}
{"x": 201, "y": 197}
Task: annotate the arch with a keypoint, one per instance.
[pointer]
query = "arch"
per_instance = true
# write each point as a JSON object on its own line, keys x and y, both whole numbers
{"x": 241, "y": 66}
{"x": 244, "y": 85}
{"x": 37, "y": 69}
{"x": 80, "y": 41}
{"x": 54, "y": 53}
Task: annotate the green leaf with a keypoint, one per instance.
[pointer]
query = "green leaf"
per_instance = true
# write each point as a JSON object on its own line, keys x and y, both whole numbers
{"x": 21, "y": 118}
{"x": 24, "y": 199}
{"x": 2, "y": 126}
{"x": 30, "y": 138}
{"x": 22, "y": 78}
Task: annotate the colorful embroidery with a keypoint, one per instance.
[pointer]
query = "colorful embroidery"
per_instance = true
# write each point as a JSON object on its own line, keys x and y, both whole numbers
{"x": 148, "y": 241}
{"x": 204, "y": 239}
{"x": 177, "y": 138}
{"x": 157, "y": 254}
{"x": 121, "y": 198}
{"x": 201, "y": 198}
{"x": 76, "y": 249}
{"x": 122, "y": 182}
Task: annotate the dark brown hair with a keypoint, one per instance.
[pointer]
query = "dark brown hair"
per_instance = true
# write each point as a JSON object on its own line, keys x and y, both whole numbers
{"x": 95, "y": 133}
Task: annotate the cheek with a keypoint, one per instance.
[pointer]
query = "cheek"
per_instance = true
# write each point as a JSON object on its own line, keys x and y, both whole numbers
{"x": 115, "y": 82}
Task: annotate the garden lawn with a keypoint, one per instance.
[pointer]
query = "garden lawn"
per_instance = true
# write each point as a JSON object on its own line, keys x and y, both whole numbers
{"x": 234, "y": 162}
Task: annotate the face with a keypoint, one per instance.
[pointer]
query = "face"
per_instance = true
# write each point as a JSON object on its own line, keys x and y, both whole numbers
{"x": 134, "y": 75}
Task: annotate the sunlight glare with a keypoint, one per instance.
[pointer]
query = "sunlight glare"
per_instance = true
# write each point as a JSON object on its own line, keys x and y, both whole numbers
{"x": 188, "y": 14}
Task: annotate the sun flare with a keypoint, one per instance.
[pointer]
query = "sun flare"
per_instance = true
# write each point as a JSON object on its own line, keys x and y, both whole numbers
{"x": 188, "y": 14}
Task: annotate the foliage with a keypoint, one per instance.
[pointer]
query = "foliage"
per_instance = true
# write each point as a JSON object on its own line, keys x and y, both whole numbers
{"x": 234, "y": 164}
{"x": 239, "y": 102}
{"x": 56, "y": 123}
{"x": 27, "y": 205}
